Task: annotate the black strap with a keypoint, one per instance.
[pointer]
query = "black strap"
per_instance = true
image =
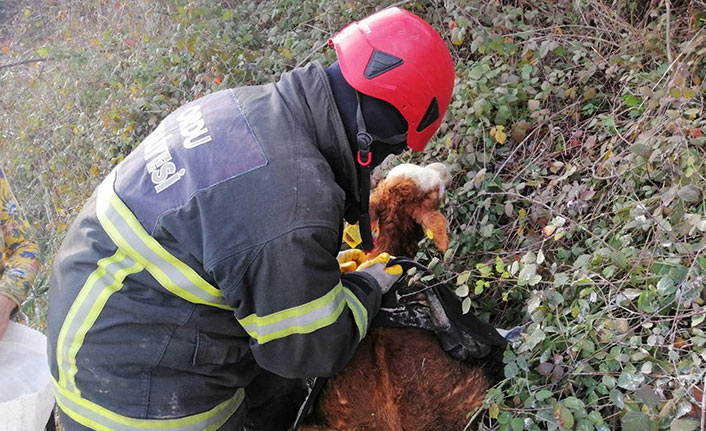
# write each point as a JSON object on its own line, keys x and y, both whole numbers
{"x": 469, "y": 322}
{"x": 365, "y": 157}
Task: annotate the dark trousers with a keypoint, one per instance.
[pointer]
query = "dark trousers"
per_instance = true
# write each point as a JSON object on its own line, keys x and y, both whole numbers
{"x": 271, "y": 404}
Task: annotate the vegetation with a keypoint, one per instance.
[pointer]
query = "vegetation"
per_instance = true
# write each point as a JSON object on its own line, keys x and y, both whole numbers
{"x": 575, "y": 138}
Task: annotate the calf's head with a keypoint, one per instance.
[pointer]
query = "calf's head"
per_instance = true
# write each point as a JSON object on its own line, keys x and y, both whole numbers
{"x": 405, "y": 206}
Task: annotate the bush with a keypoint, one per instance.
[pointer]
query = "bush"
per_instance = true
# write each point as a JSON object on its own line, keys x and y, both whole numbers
{"x": 575, "y": 138}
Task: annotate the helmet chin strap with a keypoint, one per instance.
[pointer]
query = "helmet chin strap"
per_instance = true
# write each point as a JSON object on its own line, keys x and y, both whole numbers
{"x": 364, "y": 142}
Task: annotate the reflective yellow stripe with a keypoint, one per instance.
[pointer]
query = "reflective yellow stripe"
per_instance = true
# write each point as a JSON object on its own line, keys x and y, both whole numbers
{"x": 99, "y": 418}
{"x": 360, "y": 313}
{"x": 103, "y": 282}
{"x": 128, "y": 234}
{"x": 302, "y": 319}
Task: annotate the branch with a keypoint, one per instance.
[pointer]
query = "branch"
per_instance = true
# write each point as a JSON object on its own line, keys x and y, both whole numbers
{"x": 668, "y": 3}
{"x": 19, "y": 63}
{"x": 703, "y": 405}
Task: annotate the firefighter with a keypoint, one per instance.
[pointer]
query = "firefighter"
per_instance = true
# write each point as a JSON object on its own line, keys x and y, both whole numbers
{"x": 200, "y": 285}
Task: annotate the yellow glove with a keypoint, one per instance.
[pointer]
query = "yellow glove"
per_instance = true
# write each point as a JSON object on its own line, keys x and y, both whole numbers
{"x": 348, "y": 260}
{"x": 351, "y": 235}
{"x": 377, "y": 267}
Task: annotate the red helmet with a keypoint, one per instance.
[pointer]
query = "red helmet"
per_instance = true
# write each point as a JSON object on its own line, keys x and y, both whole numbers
{"x": 395, "y": 56}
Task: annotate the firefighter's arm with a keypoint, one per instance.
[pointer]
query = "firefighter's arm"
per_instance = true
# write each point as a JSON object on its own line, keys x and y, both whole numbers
{"x": 377, "y": 267}
{"x": 304, "y": 318}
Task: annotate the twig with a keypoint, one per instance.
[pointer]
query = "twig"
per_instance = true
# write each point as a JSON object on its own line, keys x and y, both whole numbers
{"x": 703, "y": 401}
{"x": 517, "y": 147}
{"x": 668, "y": 3}
{"x": 312, "y": 52}
{"x": 687, "y": 48}
{"x": 19, "y": 63}
{"x": 555, "y": 212}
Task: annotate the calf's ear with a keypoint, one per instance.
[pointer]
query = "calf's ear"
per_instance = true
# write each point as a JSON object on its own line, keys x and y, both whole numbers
{"x": 434, "y": 225}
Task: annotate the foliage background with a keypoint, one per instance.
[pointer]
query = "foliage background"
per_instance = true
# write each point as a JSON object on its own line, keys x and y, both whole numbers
{"x": 575, "y": 138}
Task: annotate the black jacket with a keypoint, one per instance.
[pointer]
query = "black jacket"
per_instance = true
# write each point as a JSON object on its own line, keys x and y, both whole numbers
{"x": 247, "y": 188}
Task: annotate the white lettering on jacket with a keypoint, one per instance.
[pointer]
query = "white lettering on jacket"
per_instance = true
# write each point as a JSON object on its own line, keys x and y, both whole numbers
{"x": 192, "y": 127}
{"x": 163, "y": 172}
{"x": 158, "y": 160}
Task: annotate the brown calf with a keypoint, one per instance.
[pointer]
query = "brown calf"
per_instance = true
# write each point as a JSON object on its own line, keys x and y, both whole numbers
{"x": 401, "y": 379}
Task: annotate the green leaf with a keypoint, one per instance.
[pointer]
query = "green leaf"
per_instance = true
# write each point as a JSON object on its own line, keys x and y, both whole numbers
{"x": 582, "y": 260}
{"x": 573, "y": 403}
{"x": 526, "y": 72}
{"x": 486, "y": 231}
{"x": 689, "y": 193}
{"x": 534, "y": 339}
{"x": 434, "y": 262}
{"x": 635, "y": 421}
{"x": 617, "y": 398}
{"x": 665, "y": 286}
{"x": 619, "y": 259}
{"x": 564, "y": 415}
{"x": 684, "y": 425}
{"x": 511, "y": 370}
{"x": 479, "y": 287}
{"x": 631, "y": 100}
{"x": 692, "y": 111}
{"x": 527, "y": 274}
{"x": 499, "y": 265}
{"x": 42, "y": 52}
{"x": 462, "y": 291}
{"x": 463, "y": 277}
{"x": 466, "y": 305}
{"x": 630, "y": 381}
{"x": 476, "y": 73}
{"x": 640, "y": 150}
{"x": 595, "y": 417}
{"x": 678, "y": 273}
{"x": 647, "y": 395}
{"x": 493, "y": 411}
{"x": 540, "y": 257}
{"x": 485, "y": 270}
{"x": 517, "y": 424}
{"x": 560, "y": 279}
{"x": 543, "y": 395}
{"x": 608, "y": 381}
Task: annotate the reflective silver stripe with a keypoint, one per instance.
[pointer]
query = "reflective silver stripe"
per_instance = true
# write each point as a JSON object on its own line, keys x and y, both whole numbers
{"x": 298, "y": 320}
{"x": 99, "y": 418}
{"x": 103, "y": 282}
{"x": 360, "y": 314}
{"x": 126, "y": 232}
